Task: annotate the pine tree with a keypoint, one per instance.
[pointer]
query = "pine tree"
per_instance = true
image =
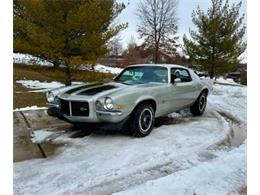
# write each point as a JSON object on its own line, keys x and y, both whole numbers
{"x": 218, "y": 43}
{"x": 68, "y": 32}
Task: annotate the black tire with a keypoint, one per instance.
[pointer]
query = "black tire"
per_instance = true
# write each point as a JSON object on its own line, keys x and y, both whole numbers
{"x": 141, "y": 121}
{"x": 199, "y": 106}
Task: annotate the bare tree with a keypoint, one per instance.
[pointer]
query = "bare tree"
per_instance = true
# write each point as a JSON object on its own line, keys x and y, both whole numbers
{"x": 115, "y": 47}
{"x": 158, "y": 26}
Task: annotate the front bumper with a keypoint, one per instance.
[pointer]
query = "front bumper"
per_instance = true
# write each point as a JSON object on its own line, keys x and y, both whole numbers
{"x": 93, "y": 117}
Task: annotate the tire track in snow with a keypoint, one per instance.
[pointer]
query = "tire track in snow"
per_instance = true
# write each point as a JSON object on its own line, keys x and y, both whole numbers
{"x": 234, "y": 138}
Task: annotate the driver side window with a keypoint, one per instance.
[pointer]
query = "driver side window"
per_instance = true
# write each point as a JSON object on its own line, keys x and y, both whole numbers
{"x": 180, "y": 73}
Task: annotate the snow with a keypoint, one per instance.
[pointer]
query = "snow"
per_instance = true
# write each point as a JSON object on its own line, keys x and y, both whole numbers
{"x": 42, "y": 86}
{"x": 41, "y": 135}
{"x": 35, "y": 84}
{"x": 21, "y": 58}
{"x": 226, "y": 81}
{"x": 101, "y": 68}
{"x": 27, "y": 59}
{"x": 29, "y": 108}
{"x": 182, "y": 157}
{"x": 223, "y": 175}
{"x": 107, "y": 69}
{"x": 231, "y": 100}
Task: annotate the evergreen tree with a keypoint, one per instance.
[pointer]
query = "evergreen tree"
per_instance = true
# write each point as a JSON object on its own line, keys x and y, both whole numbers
{"x": 218, "y": 43}
{"x": 68, "y": 32}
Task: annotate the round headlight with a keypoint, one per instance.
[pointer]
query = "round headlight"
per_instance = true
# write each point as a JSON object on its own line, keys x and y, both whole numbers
{"x": 109, "y": 103}
{"x": 50, "y": 96}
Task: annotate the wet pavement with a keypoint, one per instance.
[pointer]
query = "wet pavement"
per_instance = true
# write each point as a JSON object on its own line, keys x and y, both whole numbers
{"x": 24, "y": 148}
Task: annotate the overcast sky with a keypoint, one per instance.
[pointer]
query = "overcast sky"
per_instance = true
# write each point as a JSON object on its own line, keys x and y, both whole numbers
{"x": 185, "y": 8}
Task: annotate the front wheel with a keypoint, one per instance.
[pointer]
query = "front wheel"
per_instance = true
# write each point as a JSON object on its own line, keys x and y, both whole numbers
{"x": 199, "y": 106}
{"x": 142, "y": 120}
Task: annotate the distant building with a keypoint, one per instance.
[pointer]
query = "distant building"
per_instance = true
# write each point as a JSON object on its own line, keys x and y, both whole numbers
{"x": 240, "y": 74}
{"x": 114, "y": 61}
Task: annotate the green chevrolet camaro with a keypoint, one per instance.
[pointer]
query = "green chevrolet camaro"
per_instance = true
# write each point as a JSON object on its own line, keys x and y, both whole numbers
{"x": 133, "y": 100}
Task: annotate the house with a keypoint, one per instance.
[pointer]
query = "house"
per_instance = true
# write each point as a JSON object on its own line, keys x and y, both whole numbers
{"x": 240, "y": 74}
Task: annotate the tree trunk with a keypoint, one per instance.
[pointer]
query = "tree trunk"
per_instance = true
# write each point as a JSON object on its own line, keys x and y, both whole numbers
{"x": 56, "y": 64}
{"x": 93, "y": 63}
{"x": 156, "y": 54}
{"x": 68, "y": 75}
{"x": 212, "y": 72}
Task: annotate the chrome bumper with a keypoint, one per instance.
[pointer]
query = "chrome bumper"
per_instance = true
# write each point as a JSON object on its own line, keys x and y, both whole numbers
{"x": 109, "y": 113}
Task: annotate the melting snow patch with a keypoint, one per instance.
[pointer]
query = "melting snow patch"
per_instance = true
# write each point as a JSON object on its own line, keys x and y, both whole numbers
{"x": 101, "y": 68}
{"x": 21, "y": 58}
{"x": 42, "y": 86}
{"x": 35, "y": 84}
{"x": 29, "y": 108}
{"x": 107, "y": 69}
{"x": 40, "y": 136}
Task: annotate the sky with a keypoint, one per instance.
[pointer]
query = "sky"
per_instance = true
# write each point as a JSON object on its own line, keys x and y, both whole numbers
{"x": 184, "y": 11}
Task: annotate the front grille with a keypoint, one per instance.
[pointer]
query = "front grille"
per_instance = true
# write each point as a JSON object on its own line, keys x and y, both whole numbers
{"x": 80, "y": 108}
{"x": 64, "y": 107}
{"x": 77, "y": 108}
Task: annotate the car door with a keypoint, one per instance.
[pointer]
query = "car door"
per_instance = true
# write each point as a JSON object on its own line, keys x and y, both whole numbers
{"x": 183, "y": 90}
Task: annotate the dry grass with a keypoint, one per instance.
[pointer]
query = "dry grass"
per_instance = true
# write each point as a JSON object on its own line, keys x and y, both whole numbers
{"x": 22, "y": 96}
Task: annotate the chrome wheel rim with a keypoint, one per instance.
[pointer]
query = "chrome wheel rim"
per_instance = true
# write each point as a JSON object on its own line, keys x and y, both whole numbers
{"x": 202, "y": 103}
{"x": 145, "y": 120}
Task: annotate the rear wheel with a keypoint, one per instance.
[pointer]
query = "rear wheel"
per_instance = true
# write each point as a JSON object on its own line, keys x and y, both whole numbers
{"x": 199, "y": 106}
{"x": 142, "y": 120}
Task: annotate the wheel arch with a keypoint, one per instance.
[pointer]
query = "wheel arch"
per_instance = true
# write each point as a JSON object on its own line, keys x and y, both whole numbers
{"x": 148, "y": 100}
{"x": 206, "y": 90}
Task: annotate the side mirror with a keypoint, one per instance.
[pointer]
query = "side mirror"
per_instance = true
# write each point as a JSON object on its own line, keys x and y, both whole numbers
{"x": 177, "y": 80}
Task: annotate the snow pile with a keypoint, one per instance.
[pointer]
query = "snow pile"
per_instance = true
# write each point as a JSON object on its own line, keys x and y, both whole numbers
{"x": 231, "y": 100}
{"x": 233, "y": 91}
{"x": 226, "y": 81}
{"x": 223, "y": 175}
{"x": 42, "y": 86}
{"x": 107, "y": 69}
{"x": 21, "y": 58}
{"x": 29, "y": 108}
{"x": 102, "y": 68}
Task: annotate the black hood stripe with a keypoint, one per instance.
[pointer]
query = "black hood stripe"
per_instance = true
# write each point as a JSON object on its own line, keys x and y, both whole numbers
{"x": 81, "y": 87}
{"x": 96, "y": 90}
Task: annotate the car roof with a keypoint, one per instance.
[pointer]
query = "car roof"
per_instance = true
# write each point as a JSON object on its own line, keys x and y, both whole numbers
{"x": 162, "y": 65}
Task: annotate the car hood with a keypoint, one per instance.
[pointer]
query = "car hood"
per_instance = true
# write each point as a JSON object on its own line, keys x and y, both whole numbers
{"x": 102, "y": 89}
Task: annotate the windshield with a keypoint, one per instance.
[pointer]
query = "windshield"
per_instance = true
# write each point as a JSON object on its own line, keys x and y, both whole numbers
{"x": 143, "y": 74}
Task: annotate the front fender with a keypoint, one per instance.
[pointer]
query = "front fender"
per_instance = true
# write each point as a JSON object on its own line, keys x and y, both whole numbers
{"x": 144, "y": 98}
